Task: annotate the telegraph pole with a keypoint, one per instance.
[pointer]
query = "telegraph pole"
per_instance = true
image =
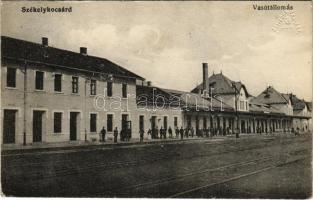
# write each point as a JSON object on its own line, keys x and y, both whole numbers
{"x": 236, "y": 110}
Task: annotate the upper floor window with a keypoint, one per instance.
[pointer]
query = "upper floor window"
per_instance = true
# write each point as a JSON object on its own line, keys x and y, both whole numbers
{"x": 39, "y": 80}
{"x": 110, "y": 89}
{"x": 11, "y": 77}
{"x": 74, "y": 84}
{"x": 124, "y": 90}
{"x": 241, "y": 105}
{"x": 93, "y": 87}
{"x": 58, "y": 82}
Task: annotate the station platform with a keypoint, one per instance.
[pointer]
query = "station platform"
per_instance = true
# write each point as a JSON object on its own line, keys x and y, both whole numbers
{"x": 43, "y": 146}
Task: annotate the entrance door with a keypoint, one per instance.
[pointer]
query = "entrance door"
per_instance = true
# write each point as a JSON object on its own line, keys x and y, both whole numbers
{"x": 141, "y": 122}
{"x": 37, "y": 126}
{"x": 124, "y": 121}
{"x": 165, "y": 122}
{"x": 9, "y": 126}
{"x": 243, "y": 129}
{"x": 153, "y": 122}
{"x": 73, "y": 125}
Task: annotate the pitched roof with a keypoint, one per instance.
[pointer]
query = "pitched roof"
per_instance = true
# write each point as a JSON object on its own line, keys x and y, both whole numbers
{"x": 193, "y": 100}
{"x": 271, "y": 96}
{"x": 221, "y": 85}
{"x": 151, "y": 95}
{"x": 297, "y": 103}
{"x": 309, "y": 105}
{"x": 17, "y": 49}
{"x": 263, "y": 108}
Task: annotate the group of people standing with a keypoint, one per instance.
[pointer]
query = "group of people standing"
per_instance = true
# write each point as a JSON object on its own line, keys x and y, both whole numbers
{"x": 181, "y": 132}
{"x": 163, "y": 133}
{"x": 124, "y": 134}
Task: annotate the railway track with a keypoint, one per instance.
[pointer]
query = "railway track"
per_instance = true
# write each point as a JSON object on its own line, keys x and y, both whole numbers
{"x": 182, "y": 193}
{"x": 33, "y": 179}
{"x": 68, "y": 169}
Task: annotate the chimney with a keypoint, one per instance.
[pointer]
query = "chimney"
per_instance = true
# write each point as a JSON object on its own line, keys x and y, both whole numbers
{"x": 44, "y": 41}
{"x": 83, "y": 50}
{"x": 148, "y": 83}
{"x": 205, "y": 76}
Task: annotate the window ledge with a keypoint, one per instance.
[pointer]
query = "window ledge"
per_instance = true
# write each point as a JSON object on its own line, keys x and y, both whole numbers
{"x": 56, "y": 134}
{"x": 75, "y": 94}
{"x": 11, "y": 88}
{"x": 56, "y": 92}
{"x": 43, "y": 91}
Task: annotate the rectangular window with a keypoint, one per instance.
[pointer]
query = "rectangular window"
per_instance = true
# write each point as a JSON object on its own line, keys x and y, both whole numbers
{"x": 93, "y": 87}
{"x": 241, "y": 105}
{"x": 58, "y": 82}
{"x": 93, "y": 122}
{"x": 110, "y": 122}
{"x": 39, "y": 80}
{"x": 11, "y": 77}
{"x": 74, "y": 84}
{"x": 109, "y": 88}
{"x": 57, "y": 122}
{"x": 175, "y": 121}
{"x": 124, "y": 90}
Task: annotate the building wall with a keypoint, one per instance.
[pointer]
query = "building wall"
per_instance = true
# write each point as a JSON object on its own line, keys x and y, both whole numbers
{"x": 65, "y": 102}
{"x": 150, "y": 111}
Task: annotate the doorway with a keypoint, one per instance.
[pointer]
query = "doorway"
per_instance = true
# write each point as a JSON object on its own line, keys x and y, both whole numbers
{"x": 9, "y": 124}
{"x": 37, "y": 126}
{"x": 73, "y": 125}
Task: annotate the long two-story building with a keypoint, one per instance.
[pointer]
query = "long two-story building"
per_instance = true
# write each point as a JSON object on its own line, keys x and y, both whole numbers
{"x": 54, "y": 95}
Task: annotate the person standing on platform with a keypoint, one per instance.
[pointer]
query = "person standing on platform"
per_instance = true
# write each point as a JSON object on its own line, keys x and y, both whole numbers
{"x": 156, "y": 133}
{"x": 164, "y": 133}
{"x": 150, "y": 133}
{"x": 186, "y": 132}
{"x": 192, "y": 132}
{"x": 103, "y": 132}
{"x": 170, "y": 133}
{"x": 177, "y": 132}
{"x": 181, "y": 131}
{"x": 115, "y": 133}
{"x": 161, "y": 132}
{"x": 141, "y": 132}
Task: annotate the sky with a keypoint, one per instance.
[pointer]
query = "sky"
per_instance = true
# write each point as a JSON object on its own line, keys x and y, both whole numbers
{"x": 167, "y": 42}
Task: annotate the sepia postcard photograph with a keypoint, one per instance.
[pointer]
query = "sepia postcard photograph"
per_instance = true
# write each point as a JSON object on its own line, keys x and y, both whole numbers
{"x": 156, "y": 99}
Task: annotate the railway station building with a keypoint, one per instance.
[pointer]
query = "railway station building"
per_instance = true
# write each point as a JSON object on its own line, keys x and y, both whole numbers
{"x": 54, "y": 95}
